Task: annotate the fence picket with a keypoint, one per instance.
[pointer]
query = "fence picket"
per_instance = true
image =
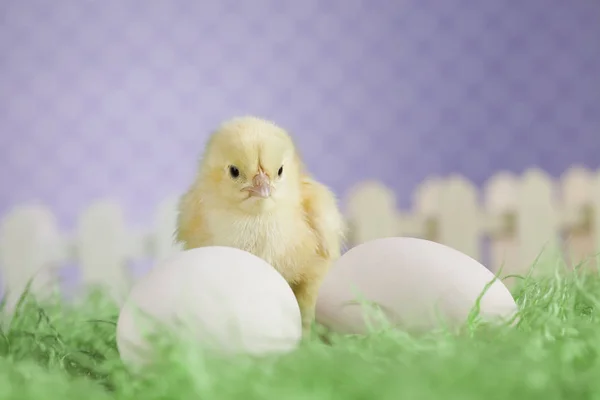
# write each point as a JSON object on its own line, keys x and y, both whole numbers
{"x": 538, "y": 224}
{"x": 501, "y": 199}
{"x": 103, "y": 247}
{"x": 577, "y": 186}
{"x": 30, "y": 254}
{"x": 459, "y": 216}
{"x": 371, "y": 211}
{"x": 426, "y": 202}
{"x": 595, "y": 217}
{"x": 164, "y": 229}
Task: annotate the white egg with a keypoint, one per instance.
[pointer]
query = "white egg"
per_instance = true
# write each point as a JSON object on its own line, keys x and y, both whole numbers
{"x": 226, "y": 298}
{"x": 418, "y": 285}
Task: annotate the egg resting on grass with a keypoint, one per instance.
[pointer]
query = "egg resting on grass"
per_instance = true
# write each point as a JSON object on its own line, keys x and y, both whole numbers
{"x": 224, "y": 298}
{"x": 418, "y": 284}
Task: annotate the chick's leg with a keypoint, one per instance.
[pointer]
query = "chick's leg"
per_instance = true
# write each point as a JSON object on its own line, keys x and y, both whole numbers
{"x": 307, "y": 291}
{"x": 306, "y": 295}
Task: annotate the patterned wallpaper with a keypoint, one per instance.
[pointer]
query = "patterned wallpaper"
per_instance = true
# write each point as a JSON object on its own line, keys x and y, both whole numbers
{"x": 115, "y": 98}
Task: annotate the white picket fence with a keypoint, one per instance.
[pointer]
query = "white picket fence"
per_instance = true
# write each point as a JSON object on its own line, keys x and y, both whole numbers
{"x": 505, "y": 224}
{"x": 512, "y": 223}
{"x": 33, "y": 249}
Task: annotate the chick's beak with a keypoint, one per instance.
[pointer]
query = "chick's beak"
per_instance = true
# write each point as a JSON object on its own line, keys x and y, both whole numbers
{"x": 261, "y": 186}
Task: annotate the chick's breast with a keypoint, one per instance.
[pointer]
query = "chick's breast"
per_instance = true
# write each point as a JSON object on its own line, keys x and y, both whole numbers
{"x": 283, "y": 240}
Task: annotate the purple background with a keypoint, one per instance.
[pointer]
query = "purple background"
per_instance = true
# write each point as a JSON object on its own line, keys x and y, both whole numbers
{"x": 115, "y": 98}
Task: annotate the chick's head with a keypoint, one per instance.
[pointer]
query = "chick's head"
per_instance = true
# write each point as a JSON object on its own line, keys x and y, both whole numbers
{"x": 251, "y": 164}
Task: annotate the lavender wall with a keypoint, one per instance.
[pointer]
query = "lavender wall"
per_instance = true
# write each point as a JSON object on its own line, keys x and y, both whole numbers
{"x": 115, "y": 98}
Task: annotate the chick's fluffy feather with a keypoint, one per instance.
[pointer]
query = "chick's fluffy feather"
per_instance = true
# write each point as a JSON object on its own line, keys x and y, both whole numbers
{"x": 298, "y": 229}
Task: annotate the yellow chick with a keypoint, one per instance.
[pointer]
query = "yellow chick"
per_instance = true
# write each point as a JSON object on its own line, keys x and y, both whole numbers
{"x": 252, "y": 192}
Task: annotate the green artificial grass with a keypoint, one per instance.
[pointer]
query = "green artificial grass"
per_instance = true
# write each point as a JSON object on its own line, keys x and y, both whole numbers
{"x": 61, "y": 352}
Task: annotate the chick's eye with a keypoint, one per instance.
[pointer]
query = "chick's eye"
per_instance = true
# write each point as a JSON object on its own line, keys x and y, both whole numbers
{"x": 233, "y": 171}
{"x": 280, "y": 171}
